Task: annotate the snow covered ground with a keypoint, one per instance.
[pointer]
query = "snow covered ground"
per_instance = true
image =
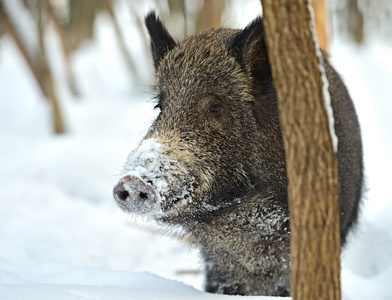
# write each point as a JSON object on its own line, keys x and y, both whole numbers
{"x": 61, "y": 234}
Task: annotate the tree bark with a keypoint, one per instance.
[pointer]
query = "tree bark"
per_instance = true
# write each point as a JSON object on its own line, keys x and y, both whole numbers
{"x": 321, "y": 12}
{"x": 60, "y": 30}
{"x": 351, "y": 19}
{"x": 47, "y": 76}
{"x": 311, "y": 163}
{"x": 210, "y": 15}
{"x": 29, "y": 55}
{"x": 132, "y": 70}
{"x": 36, "y": 58}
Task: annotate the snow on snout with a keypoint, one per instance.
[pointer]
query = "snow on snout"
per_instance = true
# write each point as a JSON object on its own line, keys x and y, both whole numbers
{"x": 154, "y": 180}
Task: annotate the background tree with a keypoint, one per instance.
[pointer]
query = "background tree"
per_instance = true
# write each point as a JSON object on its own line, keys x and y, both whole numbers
{"x": 311, "y": 163}
{"x": 74, "y": 22}
{"x": 321, "y": 15}
{"x": 30, "y": 41}
{"x": 360, "y": 21}
{"x": 27, "y": 23}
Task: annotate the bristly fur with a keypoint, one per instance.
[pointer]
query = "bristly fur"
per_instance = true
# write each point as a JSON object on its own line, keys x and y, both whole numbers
{"x": 161, "y": 40}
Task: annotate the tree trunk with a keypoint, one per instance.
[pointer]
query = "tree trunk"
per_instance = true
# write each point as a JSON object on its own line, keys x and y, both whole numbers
{"x": 33, "y": 51}
{"x": 352, "y": 21}
{"x": 210, "y": 15}
{"x": 311, "y": 163}
{"x": 65, "y": 44}
{"x": 47, "y": 76}
{"x": 321, "y": 12}
{"x": 132, "y": 70}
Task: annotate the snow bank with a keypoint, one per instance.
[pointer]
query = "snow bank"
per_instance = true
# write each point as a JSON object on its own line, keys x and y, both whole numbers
{"x": 69, "y": 284}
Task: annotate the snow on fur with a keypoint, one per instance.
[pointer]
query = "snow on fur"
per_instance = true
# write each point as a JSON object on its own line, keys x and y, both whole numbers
{"x": 153, "y": 168}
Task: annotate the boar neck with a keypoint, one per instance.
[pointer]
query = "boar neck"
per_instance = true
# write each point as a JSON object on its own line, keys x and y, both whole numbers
{"x": 249, "y": 244}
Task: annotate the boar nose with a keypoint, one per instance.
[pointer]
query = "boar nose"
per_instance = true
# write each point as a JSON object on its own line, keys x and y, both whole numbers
{"x": 134, "y": 193}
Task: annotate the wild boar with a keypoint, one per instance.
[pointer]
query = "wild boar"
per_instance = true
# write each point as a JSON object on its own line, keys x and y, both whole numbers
{"x": 213, "y": 162}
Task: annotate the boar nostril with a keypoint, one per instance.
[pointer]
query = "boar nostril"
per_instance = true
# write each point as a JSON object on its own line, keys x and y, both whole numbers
{"x": 143, "y": 196}
{"x": 121, "y": 193}
{"x": 135, "y": 195}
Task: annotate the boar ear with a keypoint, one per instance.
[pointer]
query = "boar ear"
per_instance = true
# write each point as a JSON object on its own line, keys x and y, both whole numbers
{"x": 161, "y": 41}
{"x": 250, "y": 50}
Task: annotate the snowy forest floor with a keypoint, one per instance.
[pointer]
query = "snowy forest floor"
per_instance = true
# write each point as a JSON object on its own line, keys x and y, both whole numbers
{"x": 61, "y": 234}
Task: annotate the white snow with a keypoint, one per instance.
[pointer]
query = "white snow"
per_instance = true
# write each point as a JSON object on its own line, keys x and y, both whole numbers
{"x": 65, "y": 283}
{"x": 62, "y": 235}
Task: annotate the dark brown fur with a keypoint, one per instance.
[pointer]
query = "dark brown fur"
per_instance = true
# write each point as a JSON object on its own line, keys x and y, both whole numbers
{"x": 219, "y": 119}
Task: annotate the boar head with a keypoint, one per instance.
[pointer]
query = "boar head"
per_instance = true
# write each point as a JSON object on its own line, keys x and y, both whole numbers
{"x": 216, "y": 141}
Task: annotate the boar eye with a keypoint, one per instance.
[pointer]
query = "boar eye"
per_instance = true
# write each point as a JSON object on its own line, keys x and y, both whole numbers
{"x": 214, "y": 108}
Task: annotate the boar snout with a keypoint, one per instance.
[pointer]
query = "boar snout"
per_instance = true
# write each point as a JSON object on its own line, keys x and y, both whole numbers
{"x": 134, "y": 195}
{"x": 154, "y": 181}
